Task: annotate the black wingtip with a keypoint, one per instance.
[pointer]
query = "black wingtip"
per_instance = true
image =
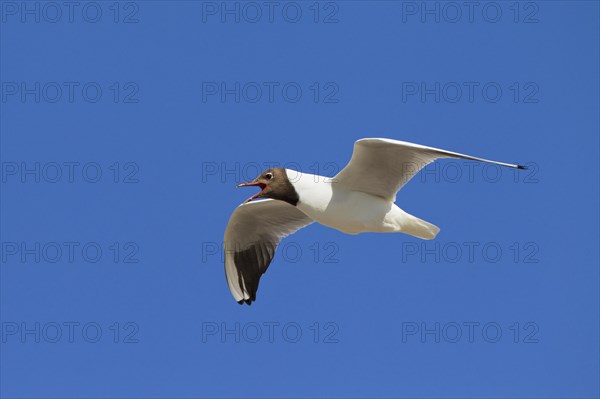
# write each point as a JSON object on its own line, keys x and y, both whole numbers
{"x": 521, "y": 167}
{"x": 245, "y": 301}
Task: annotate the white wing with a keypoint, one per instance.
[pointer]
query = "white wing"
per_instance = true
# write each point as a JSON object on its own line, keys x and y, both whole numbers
{"x": 251, "y": 237}
{"x": 382, "y": 166}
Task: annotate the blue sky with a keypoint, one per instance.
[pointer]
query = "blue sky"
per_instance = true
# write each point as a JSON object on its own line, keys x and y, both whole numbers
{"x": 125, "y": 127}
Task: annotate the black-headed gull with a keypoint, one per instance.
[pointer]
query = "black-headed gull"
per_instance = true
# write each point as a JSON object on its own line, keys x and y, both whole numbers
{"x": 358, "y": 199}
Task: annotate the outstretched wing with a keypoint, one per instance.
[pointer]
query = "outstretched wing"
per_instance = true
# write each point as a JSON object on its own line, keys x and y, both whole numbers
{"x": 251, "y": 237}
{"x": 382, "y": 166}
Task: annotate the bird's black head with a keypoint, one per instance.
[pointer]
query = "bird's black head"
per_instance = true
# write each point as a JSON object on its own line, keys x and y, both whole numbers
{"x": 275, "y": 184}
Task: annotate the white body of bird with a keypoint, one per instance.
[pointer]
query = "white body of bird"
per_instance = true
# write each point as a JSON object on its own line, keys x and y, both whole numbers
{"x": 354, "y": 212}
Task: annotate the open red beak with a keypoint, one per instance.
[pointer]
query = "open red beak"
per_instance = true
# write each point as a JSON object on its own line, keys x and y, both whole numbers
{"x": 253, "y": 183}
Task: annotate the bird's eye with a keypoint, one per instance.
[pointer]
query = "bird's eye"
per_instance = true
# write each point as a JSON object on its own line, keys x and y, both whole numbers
{"x": 269, "y": 176}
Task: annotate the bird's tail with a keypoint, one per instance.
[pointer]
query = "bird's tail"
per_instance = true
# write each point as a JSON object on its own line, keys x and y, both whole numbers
{"x": 419, "y": 228}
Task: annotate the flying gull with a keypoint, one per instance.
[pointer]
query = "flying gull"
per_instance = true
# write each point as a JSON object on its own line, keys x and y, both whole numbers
{"x": 359, "y": 199}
